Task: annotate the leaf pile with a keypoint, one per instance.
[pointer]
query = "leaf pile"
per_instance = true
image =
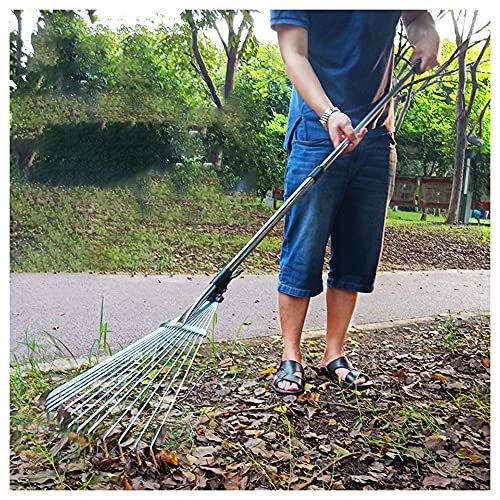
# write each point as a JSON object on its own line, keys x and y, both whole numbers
{"x": 424, "y": 247}
{"x": 425, "y": 425}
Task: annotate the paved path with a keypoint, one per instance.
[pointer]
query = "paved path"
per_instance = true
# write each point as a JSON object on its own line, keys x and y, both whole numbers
{"x": 68, "y": 305}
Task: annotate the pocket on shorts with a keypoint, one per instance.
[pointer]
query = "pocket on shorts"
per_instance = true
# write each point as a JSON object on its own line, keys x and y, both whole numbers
{"x": 290, "y": 134}
{"x": 310, "y": 133}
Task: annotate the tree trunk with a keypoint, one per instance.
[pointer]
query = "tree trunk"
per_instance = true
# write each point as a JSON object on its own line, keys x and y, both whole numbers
{"x": 25, "y": 155}
{"x": 461, "y": 143}
{"x": 425, "y": 211}
{"x": 232, "y": 66}
{"x": 19, "y": 46}
{"x": 215, "y": 155}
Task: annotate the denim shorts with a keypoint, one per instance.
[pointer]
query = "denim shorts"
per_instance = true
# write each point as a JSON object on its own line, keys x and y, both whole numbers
{"x": 347, "y": 206}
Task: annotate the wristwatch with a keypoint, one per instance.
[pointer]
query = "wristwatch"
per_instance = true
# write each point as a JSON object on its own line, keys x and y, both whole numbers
{"x": 323, "y": 119}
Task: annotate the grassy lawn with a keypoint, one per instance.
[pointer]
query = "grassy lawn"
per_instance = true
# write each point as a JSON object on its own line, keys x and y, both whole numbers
{"x": 399, "y": 216}
{"x": 154, "y": 228}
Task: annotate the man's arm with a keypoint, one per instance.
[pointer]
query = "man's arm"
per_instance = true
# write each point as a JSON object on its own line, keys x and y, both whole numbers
{"x": 294, "y": 49}
{"x": 421, "y": 30}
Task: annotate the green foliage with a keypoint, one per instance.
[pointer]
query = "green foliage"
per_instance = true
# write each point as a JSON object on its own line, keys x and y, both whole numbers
{"x": 427, "y": 137}
{"x": 89, "y": 154}
{"x": 111, "y": 85}
{"x": 256, "y": 132}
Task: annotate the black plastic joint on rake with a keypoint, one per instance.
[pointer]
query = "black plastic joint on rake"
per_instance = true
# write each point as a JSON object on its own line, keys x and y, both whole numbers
{"x": 317, "y": 173}
{"x": 221, "y": 281}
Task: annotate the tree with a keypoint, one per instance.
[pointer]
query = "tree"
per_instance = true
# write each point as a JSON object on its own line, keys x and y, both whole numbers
{"x": 457, "y": 62}
{"x": 464, "y": 105}
{"x": 80, "y": 76}
{"x": 260, "y": 106}
{"x": 238, "y": 43}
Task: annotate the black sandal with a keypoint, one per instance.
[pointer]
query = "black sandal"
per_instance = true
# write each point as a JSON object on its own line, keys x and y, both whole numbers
{"x": 286, "y": 372}
{"x": 350, "y": 379}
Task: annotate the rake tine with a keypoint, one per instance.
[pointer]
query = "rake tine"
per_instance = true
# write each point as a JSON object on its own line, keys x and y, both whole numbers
{"x": 171, "y": 404}
{"x": 155, "y": 411}
{"x": 124, "y": 396}
{"x": 86, "y": 379}
{"x": 83, "y": 379}
{"x": 124, "y": 368}
{"x": 153, "y": 392}
{"x": 203, "y": 318}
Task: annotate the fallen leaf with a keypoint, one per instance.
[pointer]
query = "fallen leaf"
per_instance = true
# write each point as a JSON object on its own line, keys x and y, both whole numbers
{"x": 399, "y": 374}
{"x": 486, "y": 362}
{"x": 43, "y": 476}
{"x": 308, "y": 396}
{"x": 468, "y": 454}
{"x": 211, "y": 436}
{"x": 59, "y": 446}
{"x": 190, "y": 476}
{"x": 281, "y": 408}
{"x": 436, "y": 481}
{"x": 126, "y": 483}
{"x": 267, "y": 371}
{"x": 439, "y": 376}
{"x": 435, "y": 443}
{"x": 410, "y": 393}
{"x": 227, "y": 362}
{"x": 80, "y": 438}
{"x": 168, "y": 457}
{"x": 104, "y": 464}
{"x": 232, "y": 483}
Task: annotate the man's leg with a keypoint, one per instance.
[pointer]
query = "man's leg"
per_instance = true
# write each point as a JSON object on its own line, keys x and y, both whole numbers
{"x": 293, "y": 312}
{"x": 340, "y": 305}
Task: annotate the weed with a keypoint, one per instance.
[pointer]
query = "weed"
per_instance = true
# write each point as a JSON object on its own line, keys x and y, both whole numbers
{"x": 398, "y": 432}
{"x": 450, "y": 332}
{"x": 473, "y": 403}
{"x": 101, "y": 342}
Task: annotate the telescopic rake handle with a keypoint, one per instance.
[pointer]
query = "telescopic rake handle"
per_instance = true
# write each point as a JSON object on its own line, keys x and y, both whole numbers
{"x": 219, "y": 283}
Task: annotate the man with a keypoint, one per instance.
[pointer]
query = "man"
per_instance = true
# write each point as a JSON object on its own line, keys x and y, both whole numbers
{"x": 340, "y": 63}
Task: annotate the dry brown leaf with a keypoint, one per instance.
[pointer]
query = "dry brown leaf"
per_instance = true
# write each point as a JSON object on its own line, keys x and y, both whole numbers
{"x": 399, "y": 374}
{"x": 468, "y": 454}
{"x": 211, "y": 436}
{"x": 439, "y": 376}
{"x": 435, "y": 442}
{"x": 190, "y": 476}
{"x": 308, "y": 396}
{"x": 76, "y": 437}
{"x": 486, "y": 362}
{"x": 126, "y": 484}
{"x": 227, "y": 362}
{"x": 168, "y": 457}
{"x": 436, "y": 481}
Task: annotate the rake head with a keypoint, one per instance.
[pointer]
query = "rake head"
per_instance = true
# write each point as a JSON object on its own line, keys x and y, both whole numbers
{"x": 133, "y": 392}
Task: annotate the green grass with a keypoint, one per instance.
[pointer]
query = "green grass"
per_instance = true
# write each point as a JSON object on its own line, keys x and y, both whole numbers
{"x": 75, "y": 229}
{"x": 433, "y": 222}
{"x": 155, "y": 229}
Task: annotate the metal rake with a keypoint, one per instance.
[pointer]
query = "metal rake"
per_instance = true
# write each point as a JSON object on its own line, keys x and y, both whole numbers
{"x": 134, "y": 391}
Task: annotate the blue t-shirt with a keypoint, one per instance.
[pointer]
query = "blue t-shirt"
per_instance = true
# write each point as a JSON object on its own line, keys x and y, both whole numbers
{"x": 351, "y": 52}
